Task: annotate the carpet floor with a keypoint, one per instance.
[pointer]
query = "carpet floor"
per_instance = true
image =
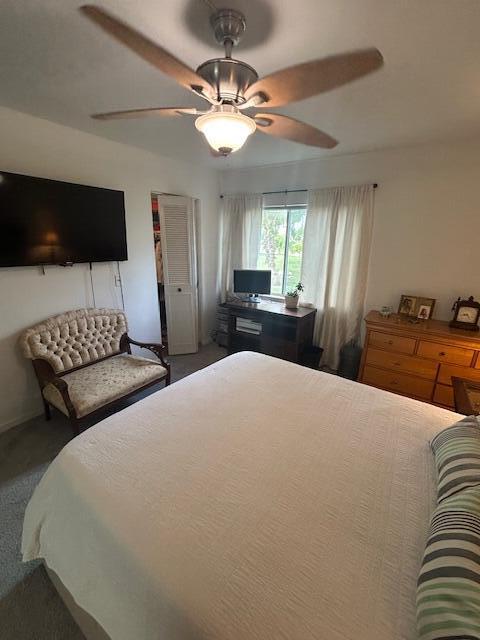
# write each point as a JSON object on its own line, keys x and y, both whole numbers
{"x": 30, "y": 608}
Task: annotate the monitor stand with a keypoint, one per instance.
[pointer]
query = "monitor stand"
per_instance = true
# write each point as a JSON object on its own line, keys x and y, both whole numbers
{"x": 253, "y": 298}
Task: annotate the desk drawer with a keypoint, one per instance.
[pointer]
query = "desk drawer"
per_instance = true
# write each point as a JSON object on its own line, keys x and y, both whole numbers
{"x": 445, "y": 353}
{"x": 448, "y": 370}
{"x": 399, "y": 382}
{"x": 392, "y": 342}
{"x": 444, "y": 395}
{"x": 397, "y": 362}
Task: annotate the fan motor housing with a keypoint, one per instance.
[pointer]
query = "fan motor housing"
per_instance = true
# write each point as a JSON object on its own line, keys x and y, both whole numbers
{"x": 230, "y": 78}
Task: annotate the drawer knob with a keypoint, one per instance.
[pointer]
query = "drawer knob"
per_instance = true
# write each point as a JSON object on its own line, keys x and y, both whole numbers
{"x": 394, "y": 382}
{"x": 397, "y": 364}
{"x": 390, "y": 342}
{"x": 442, "y": 353}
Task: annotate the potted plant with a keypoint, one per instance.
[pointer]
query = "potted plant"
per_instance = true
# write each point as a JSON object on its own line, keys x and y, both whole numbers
{"x": 291, "y": 297}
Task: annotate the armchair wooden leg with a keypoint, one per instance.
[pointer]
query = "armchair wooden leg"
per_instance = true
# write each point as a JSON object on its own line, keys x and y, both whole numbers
{"x": 47, "y": 410}
{"x": 167, "y": 379}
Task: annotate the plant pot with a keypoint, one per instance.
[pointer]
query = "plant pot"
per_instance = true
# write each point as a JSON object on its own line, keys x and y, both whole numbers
{"x": 291, "y": 302}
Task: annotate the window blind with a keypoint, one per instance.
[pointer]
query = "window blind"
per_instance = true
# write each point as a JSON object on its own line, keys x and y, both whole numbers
{"x": 282, "y": 199}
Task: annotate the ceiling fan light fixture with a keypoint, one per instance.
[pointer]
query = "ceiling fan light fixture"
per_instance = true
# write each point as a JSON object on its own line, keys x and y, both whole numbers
{"x": 225, "y": 128}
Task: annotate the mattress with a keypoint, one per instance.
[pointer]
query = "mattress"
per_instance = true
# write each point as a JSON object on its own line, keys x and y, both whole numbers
{"x": 254, "y": 499}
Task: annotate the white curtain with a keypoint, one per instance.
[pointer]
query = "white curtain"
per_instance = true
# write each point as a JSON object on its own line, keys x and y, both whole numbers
{"x": 241, "y": 225}
{"x": 336, "y": 250}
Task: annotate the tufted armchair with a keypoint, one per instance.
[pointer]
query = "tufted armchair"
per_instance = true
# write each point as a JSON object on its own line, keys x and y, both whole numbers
{"x": 84, "y": 364}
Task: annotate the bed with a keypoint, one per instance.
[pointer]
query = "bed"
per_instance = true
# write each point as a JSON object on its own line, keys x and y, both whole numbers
{"x": 254, "y": 499}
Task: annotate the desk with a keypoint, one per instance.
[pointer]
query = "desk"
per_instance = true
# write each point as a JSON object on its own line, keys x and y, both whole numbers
{"x": 270, "y": 328}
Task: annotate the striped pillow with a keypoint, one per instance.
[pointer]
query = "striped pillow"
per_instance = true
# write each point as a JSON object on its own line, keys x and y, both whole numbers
{"x": 448, "y": 591}
{"x": 457, "y": 456}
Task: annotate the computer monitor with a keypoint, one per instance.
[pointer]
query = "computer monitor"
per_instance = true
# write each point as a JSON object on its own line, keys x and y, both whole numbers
{"x": 251, "y": 282}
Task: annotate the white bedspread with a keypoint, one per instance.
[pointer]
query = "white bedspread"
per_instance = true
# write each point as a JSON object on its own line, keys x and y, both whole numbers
{"x": 253, "y": 500}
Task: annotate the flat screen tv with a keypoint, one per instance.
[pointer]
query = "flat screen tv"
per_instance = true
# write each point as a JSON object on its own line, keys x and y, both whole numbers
{"x": 50, "y": 222}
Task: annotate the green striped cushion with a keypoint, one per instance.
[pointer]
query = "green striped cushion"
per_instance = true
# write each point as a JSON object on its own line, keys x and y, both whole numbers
{"x": 448, "y": 592}
{"x": 457, "y": 456}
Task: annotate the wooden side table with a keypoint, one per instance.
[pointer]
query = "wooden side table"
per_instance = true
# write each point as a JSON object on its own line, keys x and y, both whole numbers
{"x": 467, "y": 396}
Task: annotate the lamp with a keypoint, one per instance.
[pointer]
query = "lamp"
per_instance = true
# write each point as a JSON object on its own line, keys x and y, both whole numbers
{"x": 225, "y": 128}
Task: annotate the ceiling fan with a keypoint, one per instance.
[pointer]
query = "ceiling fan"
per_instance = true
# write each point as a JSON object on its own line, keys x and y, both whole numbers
{"x": 231, "y": 86}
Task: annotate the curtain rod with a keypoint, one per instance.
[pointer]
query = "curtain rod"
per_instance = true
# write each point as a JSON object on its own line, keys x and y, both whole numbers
{"x": 269, "y": 193}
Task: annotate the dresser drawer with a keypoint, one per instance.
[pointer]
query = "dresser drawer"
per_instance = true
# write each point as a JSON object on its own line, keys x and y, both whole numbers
{"x": 392, "y": 342}
{"x": 444, "y": 395}
{"x": 445, "y": 353}
{"x": 399, "y": 362}
{"x": 400, "y": 382}
{"x": 448, "y": 370}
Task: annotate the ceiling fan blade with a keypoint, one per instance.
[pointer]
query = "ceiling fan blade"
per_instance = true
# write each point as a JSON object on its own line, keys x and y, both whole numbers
{"x": 280, "y": 126}
{"x": 311, "y": 78}
{"x": 149, "y": 51}
{"x": 147, "y": 113}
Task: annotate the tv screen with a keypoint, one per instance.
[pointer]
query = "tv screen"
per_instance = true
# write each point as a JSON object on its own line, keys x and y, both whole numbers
{"x": 50, "y": 222}
{"x": 251, "y": 281}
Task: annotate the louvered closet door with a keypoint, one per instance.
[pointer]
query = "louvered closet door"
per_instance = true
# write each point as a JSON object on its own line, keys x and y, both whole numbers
{"x": 180, "y": 272}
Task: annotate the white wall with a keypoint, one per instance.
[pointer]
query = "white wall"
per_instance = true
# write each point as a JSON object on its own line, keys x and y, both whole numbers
{"x": 426, "y": 236}
{"x": 41, "y": 148}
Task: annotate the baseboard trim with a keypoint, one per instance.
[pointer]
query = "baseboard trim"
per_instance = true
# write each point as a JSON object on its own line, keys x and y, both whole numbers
{"x": 5, "y": 426}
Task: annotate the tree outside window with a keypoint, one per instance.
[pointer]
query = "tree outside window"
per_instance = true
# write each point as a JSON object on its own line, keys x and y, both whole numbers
{"x": 281, "y": 246}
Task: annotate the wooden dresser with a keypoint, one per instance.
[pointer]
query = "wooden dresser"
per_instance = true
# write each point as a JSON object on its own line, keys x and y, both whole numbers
{"x": 418, "y": 360}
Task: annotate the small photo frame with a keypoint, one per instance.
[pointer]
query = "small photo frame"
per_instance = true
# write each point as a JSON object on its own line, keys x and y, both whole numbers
{"x": 424, "y": 312}
{"x": 416, "y": 307}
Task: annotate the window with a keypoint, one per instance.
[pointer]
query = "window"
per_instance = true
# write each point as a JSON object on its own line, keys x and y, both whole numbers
{"x": 281, "y": 246}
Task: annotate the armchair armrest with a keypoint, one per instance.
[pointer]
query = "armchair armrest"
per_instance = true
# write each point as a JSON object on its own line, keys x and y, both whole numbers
{"x": 59, "y": 383}
{"x": 46, "y": 375}
{"x": 156, "y": 348}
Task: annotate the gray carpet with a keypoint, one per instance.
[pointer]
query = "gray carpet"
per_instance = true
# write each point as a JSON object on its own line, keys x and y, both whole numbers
{"x": 30, "y": 608}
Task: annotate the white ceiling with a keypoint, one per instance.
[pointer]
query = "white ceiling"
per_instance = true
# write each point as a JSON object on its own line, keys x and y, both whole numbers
{"x": 57, "y": 65}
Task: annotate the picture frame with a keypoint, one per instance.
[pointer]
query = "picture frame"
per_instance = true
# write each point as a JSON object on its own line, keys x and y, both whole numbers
{"x": 416, "y": 307}
{"x": 407, "y": 305}
{"x": 424, "y": 312}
